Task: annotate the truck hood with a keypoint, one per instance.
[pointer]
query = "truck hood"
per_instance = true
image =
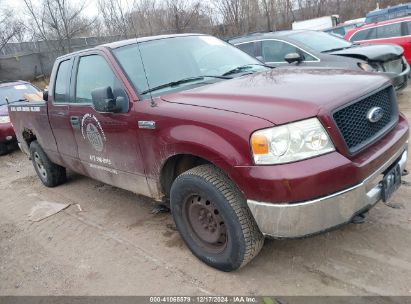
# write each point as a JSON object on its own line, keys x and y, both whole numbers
{"x": 374, "y": 52}
{"x": 282, "y": 95}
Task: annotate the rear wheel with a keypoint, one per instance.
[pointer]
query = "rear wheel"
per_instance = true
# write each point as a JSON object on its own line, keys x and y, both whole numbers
{"x": 49, "y": 173}
{"x": 213, "y": 218}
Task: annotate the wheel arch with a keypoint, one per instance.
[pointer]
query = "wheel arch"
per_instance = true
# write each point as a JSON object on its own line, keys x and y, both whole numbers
{"x": 28, "y": 136}
{"x": 179, "y": 163}
{"x": 183, "y": 147}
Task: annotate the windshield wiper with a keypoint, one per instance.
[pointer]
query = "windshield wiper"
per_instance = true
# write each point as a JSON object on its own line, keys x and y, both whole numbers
{"x": 245, "y": 67}
{"x": 182, "y": 81}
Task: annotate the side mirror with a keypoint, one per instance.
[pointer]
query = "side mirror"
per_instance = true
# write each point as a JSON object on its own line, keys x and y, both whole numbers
{"x": 293, "y": 57}
{"x": 260, "y": 58}
{"x": 46, "y": 95}
{"x": 104, "y": 101}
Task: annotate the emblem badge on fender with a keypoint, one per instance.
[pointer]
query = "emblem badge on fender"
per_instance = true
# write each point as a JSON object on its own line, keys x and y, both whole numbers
{"x": 375, "y": 114}
{"x": 93, "y": 132}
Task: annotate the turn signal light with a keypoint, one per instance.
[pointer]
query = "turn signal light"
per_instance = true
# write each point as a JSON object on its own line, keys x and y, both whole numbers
{"x": 259, "y": 144}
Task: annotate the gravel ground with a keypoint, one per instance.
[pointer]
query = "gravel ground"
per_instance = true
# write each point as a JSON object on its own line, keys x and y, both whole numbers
{"x": 107, "y": 242}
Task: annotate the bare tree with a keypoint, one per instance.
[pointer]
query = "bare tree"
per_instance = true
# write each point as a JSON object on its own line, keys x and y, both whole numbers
{"x": 58, "y": 20}
{"x": 180, "y": 14}
{"x": 115, "y": 17}
{"x": 233, "y": 13}
{"x": 9, "y": 27}
{"x": 146, "y": 15}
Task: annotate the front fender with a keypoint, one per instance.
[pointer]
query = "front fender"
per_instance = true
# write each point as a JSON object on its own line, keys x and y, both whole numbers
{"x": 225, "y": 152}
{"x": 217, "y": 136}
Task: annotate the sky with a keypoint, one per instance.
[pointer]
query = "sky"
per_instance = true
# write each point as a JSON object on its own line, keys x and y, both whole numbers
{"x": 90, "y": 10}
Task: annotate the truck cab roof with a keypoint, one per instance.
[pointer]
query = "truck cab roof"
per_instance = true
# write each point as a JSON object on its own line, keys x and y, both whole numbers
{"x": 121, "y": 43}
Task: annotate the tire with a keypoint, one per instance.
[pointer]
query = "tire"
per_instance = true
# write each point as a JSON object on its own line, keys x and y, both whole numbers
{"x": 3, "y": 149}
{"x": 213, "y": 218}
{"x": 50, "y": 174}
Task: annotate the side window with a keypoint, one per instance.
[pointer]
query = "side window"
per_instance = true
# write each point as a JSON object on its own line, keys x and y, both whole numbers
{"x": 94, "y": 72}
{"x": 389, "y": 30}
{"x": 275, "y": 51}
{"x": 364, "y": 35}
{"x": 409, "y": 28}
{"x": 249, "y": 48}
{"x": 61, "y": 84}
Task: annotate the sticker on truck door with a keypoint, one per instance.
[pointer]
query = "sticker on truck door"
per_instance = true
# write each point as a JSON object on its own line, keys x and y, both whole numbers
{"x": 92, "y": 131}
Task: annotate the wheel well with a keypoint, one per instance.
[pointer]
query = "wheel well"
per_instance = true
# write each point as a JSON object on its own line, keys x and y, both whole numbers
{"x": 29, "y": 136}
{"x": 176, "y": 165}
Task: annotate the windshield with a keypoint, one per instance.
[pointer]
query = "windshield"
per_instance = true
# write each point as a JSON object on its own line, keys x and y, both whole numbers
{"x": 320, "y": 41}
{"x": 174, "y": 59}
{"x": 15, "y": 93}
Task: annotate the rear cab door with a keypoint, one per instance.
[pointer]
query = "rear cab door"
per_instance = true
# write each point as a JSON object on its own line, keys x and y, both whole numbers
{"x": 58, "y": 112}
{"x": 107, "y": 143}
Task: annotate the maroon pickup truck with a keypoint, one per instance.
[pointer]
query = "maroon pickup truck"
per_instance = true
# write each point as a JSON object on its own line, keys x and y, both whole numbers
{"x": 242, "y": 151}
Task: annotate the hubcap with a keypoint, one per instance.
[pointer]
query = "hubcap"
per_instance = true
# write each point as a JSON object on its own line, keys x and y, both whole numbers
{"x": 205, "y": 223}
{"x": 39, "y": 164}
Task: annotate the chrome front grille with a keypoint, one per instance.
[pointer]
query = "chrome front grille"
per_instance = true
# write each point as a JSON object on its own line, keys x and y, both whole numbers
{"x": 356, "y": 129}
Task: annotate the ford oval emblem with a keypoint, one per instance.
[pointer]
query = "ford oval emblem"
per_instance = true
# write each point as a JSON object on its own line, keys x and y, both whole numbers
{"x": 375, "y": 114}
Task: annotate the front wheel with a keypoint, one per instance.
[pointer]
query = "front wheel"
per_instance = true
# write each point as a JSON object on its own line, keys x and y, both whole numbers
{"x": 213, "y": 218}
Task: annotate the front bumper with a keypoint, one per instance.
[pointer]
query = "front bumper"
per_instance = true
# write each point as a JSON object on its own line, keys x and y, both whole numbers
{"x": 322, "y": 214}
{"x": 400, "y": 81}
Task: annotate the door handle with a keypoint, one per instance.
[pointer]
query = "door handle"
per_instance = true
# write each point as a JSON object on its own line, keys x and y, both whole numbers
{"x": 75, "y": 122}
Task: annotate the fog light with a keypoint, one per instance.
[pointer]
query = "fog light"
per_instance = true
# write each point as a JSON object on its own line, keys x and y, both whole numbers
{"x": 9, "y": 137}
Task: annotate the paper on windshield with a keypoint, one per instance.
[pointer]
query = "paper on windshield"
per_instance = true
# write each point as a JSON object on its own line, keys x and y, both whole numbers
{"x": 20, "y": 87}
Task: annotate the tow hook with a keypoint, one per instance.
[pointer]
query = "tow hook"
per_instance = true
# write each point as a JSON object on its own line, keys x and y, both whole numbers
{"x": 360, "y": 218}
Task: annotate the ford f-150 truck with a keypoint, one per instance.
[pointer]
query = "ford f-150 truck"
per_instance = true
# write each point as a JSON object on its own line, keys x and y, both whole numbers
{"x": 242, "y": 151}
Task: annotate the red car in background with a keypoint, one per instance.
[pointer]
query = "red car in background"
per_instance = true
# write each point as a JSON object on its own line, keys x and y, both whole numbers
{"x": 11, "y": 92}
{"x": 396, "y": 31}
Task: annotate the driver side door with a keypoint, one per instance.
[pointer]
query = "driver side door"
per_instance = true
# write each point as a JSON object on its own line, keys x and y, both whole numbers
{"x": 107, "y": 142}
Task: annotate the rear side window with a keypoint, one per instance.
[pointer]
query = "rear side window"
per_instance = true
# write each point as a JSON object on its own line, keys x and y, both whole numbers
{"x": 249, "y": 48}
{"x": 93, "y": 73}
{"x": 62, "y": 81}
{"x": 364, "y": 35}
{"x": 389, "y": 30}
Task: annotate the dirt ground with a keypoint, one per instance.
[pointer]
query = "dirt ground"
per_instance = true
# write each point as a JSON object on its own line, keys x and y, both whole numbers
{"x": 113, "y": 245}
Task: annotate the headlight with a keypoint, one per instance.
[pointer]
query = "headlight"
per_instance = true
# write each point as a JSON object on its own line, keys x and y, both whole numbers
{"x": 289, "y": 143}
{"x": 4, "y": 119}
{"x": 368, "y": 67}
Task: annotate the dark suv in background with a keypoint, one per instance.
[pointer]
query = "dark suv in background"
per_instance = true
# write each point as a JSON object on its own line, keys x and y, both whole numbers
{"x": 319, "y": 49}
